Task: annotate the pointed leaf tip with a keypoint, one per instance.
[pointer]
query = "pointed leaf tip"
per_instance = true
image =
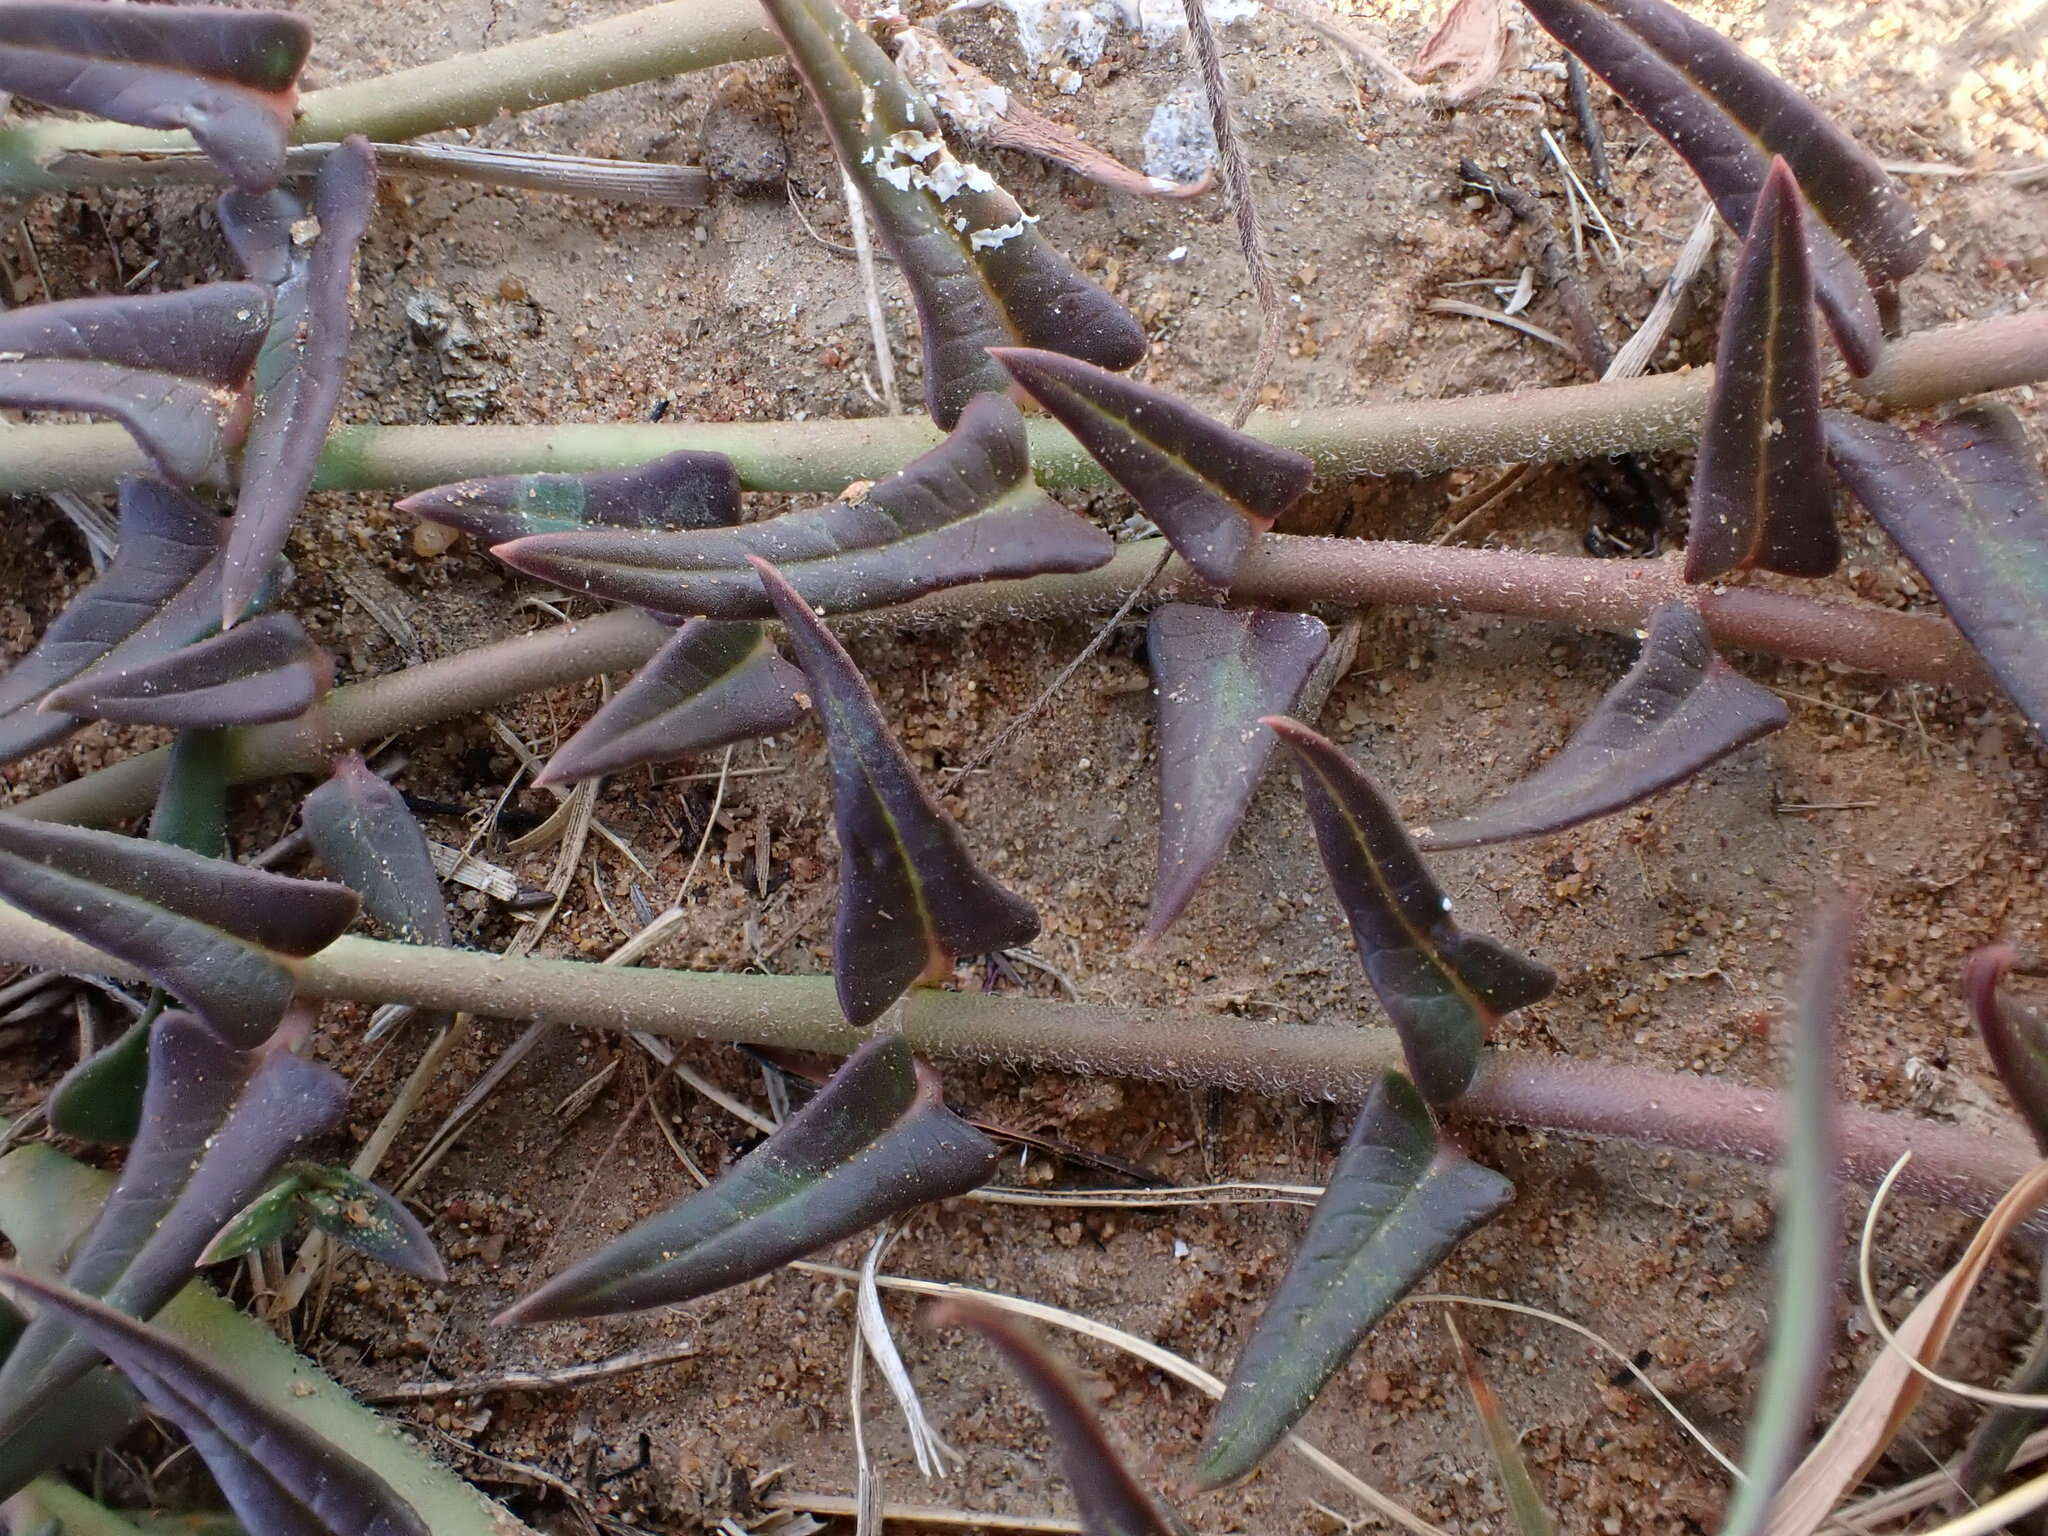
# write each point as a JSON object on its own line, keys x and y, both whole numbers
{"x": 368, "y": 1218}
{"x": 278, "y": 1475}
{"x": 679, "y": 491}
{"x": 1726, "y": 115}
{"x": 1442, "y": 988}
{"x": 715, "y": 682}
{"x": 1215, "y": 672}
{"x": 369, "y": 838}
{"x": 911, "y": 898}
{"x": 257, "y": 673}
{"x": 877, "y": 1140}
{"x": 967, "y": 510}
{"x": 1966, "y": 501}
{"x": 1397, "y": 1201}
{"x": 979, "y": 272}
{"x": 1679, "y": 710}
{"x": 1760, "y": 496}
{"x": 227, "y": 76}
{"x": 2015, "y": 1035}
{"x": 299, "y": 375}
{"x": 1110, "y": 1501}
{"x": 1209, "y": 487}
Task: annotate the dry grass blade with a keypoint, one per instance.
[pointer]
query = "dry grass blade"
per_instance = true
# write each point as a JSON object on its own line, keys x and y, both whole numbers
{"x": 1872, "y": 1417}
{"x": 926, "y": 1443}
{"x": 1176, "y": 1366}
{"x": 840, "y": 1507}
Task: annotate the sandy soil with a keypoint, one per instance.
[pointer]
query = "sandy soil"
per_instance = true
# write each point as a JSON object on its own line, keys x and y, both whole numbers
{"x": 1674, "y": 927}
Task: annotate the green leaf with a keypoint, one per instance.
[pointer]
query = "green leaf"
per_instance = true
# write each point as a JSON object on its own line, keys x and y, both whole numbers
{"x": 1395, "y": 1204}
{"x": 299, "y": 374}
{"x": 978, "y": 270}
{"x": 877, "y": 1140}
{"x": 1678, "y": 710}
{"x": 910, "y": 896}
{"x": 966, "y": 511}
{"x": 2015, "y": 1036}
{"x": 267, "y": 1219}
{"x": 1525, "y": 1503}
{"x": 1965, "y": 500}
{"x": 1215, "y": 673}
{"x": 369, "y": 1219}
{"x": 1443, "y": 988}
{"x": 280, "y": 1477}
{"x": 100, "y": 1099}
{"x": 161, "y": 590}
{"x": 682, "y": 490}
{"x": 192, "y": 801}
{"x": 75, "y": 1514}
{"x": 202, "y": 929}
{"x": 717, "y": 681}
{"x": 227, "y": 76}
{"x": 1809, "y": 1238}
{"x": 1760, "y": 493}
{"x": 1726, "y": 116}
{"x": 1111, "y": 1502}
{"x": 216, "y": 1124}
{"x": 368, "y": 836}
{"x": 1208, "y": 487}
{"x": 255, "y": 673}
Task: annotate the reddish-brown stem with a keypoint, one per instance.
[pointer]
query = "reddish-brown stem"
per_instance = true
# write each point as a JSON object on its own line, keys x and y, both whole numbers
{"x": 1337, "y": 1061}
{"x": 1594, "y": 594}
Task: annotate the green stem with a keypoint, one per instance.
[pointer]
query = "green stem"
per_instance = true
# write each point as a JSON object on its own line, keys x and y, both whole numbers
{"x": 1337, "y": 1061}
{"x": 1594, "y": 594}
{"x": 1574, "y": 421}
{"x": 459, "y": 92}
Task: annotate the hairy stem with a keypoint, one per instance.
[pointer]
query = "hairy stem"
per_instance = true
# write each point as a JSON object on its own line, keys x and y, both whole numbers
{"x": 459, "y": 92}
{"x": 1575, "y": 421}
{"x": 1322, "y": 1061}
{"x": 1593, "y": 594}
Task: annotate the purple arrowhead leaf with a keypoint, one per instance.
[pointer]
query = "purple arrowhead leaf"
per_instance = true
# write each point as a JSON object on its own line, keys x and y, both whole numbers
{"x": 877, "y": 1141}
{"x": 680, "y": 491}
{"x": 1808, "y": 1248}
{"x": 1215, "y": 673}
{"x": 979, "y": 272}
{"x": 2015, "y": 1036}
{"x": 211, "y": 333}
{"x": 1760, "y": 493}
{"x": 217, "y": 1123}
{"x": 910, "y": 896}
{"x": 1726, "y": 115}
{"x": 1208, "y": 487}
{"x": 1443, "y": 988}
{"x": 253, "y": 674}
{"x": 717, "y": 681}
{"x": 1966, "y": 502}
{"x": 279, "y": 1476}
{"x": 202, "y": 929}
{"x": 1397, "y": 1201}
{"x": 369, "y": 1219}
{"x": 1678, "y": 710}
{"x": 299, "y": 373}
{"x": 966, "y": 511}
{"x": 180, "y": 424}
{"x": 160, "y": 591}
{"x": 1110, "y": 1501}
{"x": 229, "y": 77}
{"x": 169, "y": 367}
{"x": 368, "y": 836}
